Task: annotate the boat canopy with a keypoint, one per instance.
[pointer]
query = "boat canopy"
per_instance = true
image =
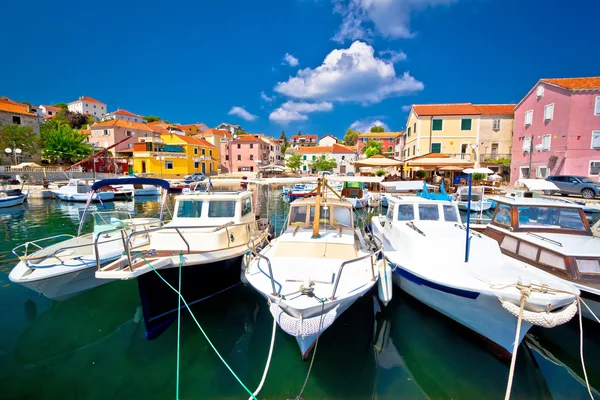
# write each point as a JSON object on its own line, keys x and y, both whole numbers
{"x": 534, "y": 185}
{"x": 361, "y": 179}
{"x": 130, "y": 181}
{"x": 403, "y": 186}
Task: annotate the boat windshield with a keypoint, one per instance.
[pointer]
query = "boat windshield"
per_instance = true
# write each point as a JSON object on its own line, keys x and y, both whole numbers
{"x": 550, "y": 218}
{"x": 108, "y": 220}
{"x": 297, "y": 215}
{"x": 221, "y": 209}
{"x": 189, "y": 209}
{"x": 333, "y": 215}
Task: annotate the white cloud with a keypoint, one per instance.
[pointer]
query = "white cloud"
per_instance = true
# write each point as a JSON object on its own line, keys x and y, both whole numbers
{"x": 349, "y": 75}
{"x": 266, "y": 98}
{"x": 394, "y": 56}
{"x": 242, "y": 113}
{"x": 406, "y": 108}
{"x": 296, "y": 111}
{"x": 364, "y": 125}
{"x": 290, "y": 59}
{"x": 390, "y": 18}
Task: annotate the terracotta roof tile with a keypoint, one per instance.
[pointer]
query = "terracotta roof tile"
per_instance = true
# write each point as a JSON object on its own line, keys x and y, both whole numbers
{"x": 122, "y": 124}
{"x": 379, "y": 134}
{"x": 575, "y": 83}
{"x": 496, "y": 109}
{"x": 247, "y": 138}
{"x": 51, "y": 108}
{"x": 217, "y": 132}
{"x": 304, "y": 136}
{"x": 196, "y": 141}
{"x": 125, "y": 113}
{"x": 88, "y": 99}
{"x": 445, "y": 109}
{"x": 11, "y": 106}
{"x": 336, "y": 148}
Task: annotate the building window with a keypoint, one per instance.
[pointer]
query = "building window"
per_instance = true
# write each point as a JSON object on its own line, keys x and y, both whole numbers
{"x": 304, "y": 168}
{"x": 251, "y": 145}
{"x": 540, "y": 91}
{"x": 465, "y": 124}
{"x": 106, "y": 132}
{"x": 595, "y": 139}
{"x": 414, "y": 152}
{"x": 546, "y": 142}
{"x": 528, "y": 117}
{"x": 239, "y": 146}
{"x": 94, "y": 106}
{"x": 525, "y": 172}
{"x": 408, "y": 131}
{"x": 436, "y": 147}
{"x": 526, "y": 145}
{"x": 594, "y": 167}
{"x": 196, "y": 165}
{"x": 408, "y": 155}
{"x": 210, "y": 153}
{"x": 16, "y": 120}
{"x": 168, "y": 164}
{"x": 304, "y": 157}
{"x": 415, "y": 128}
{"x": 437, "y": 124}
{"x": 128, "y": 133}
{"x": 390, "y": 148}
{"x": 543, "y": 172}
{"x": 203, "y": 152}
{"x": 549, "y": 112}
{"x": 226, "y": 157}
{"x": 251, "y": 156}
{"x": 195, "y": 151}
{"x": 391, "y": 140}
{"x": 496, "y": 125}
{"x": 597, "y": 106}
{"x": 239, "y": 157}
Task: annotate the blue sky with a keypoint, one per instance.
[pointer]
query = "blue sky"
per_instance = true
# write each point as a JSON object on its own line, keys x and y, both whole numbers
{"x": 353, "y": 62}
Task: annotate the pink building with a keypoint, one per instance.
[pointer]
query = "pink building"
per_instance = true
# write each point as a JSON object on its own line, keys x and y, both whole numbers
{"x": 245, "y": 153}
{"x": 107, "y": 133}
{"x": 557, "y": 130}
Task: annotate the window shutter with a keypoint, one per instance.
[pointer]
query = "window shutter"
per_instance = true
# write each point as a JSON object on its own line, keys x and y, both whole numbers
{"x": 465, "y": 124}
{"x": 596, "y": 139}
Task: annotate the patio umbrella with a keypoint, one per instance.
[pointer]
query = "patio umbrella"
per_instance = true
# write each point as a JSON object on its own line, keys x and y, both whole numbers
{"x": 478, "y": 171}
{"x": 494, "y": 177}
{"x": 378, "y": 161}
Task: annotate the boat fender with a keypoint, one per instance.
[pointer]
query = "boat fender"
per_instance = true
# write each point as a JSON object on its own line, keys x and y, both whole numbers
{"x": 302, "y": 326}
{"x": 245, "y": 263}
{"x": 544, "y": 319}
{"x": 385, "y": 282}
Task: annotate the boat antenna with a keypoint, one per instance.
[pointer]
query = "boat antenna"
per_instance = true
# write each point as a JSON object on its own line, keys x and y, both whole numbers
{"x": 468, "y": 241}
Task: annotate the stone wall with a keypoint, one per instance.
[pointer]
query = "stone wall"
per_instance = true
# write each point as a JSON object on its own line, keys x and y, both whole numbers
{"x": 26, "y": 120}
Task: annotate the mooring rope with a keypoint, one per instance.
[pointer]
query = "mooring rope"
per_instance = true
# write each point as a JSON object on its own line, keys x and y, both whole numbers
{"x": 178, "y": 325}
{"x": 200, "y": 327}
{"x": 267, "y": 365}
{"x": 299, "y": 396}
{"x": 525, "y": 292}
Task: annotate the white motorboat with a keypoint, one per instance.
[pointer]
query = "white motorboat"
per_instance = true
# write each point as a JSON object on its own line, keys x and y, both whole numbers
{"x": 301, "y": 190}
{"x": 62, "y": 266}
{"x": 136, "y": 189}
{"x": 205, "y": 242}
{"x": 479, "y": 202}
{"x": 354, "y": 188}
{"x": 316, "y": 269}
{"x": 78, "y": 190}
{"x": 553, "y": 236}
{"x": 10, "y": 201}
{"x": 425, "y": 245}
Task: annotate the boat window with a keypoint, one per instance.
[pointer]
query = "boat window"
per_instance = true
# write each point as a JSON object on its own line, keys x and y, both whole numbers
{"x": 406, "y": 212}
{"x": 450, "y": 213}
{"x": 298, "y": 215}
{"x": 503, "y": 215}
{"x": 528, "y": 251}
{"x": 429, "y": 212}
{"x": 324, "y": 214}
{"x": 246, "y": 206}
{"x": 588, "y": 266}
{"x": 221, "y": 209}
{"x": 552, "y": 260}
{"x": 343, "y": 215}
{"x": 510, "y": 244}
{"x": 390, "y": 213}
{"x": 189, "y": 209}
{"x": 550, "y": 218}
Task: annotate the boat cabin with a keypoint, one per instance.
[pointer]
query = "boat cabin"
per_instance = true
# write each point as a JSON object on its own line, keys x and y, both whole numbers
{"x": 416, "y": 209}
{"x": 333, "y": 213}
{"x": 551, "y": 235}
{"x": 77, "y": 186}
{"x": 354, "y": 190}
{"x": 213, "y": 208}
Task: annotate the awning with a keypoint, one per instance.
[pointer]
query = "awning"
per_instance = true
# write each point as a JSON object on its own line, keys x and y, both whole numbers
{"x": 439, "y": 162}
{"x": 360, "y": 179}
{"x": 403, "y": 186}
{"x": 130, "y": 181}
{"x": 534, "y": 185}
{"x": 378, "y": 161}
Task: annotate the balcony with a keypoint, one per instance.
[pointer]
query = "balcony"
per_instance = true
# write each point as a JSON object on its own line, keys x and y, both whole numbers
{"x": 150, "y": 140}
{"x": 154, "y": 154}
{"x": 495, "y": 158}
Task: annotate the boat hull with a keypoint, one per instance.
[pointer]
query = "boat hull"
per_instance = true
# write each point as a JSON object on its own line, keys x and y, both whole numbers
{"x": 198, "y": 282}
{"x": 479, "y": 312}
{"x": 65, "y": 286}
{"x": 12, "y": 201}
{"x": 82, "y": 197}
{"x": 592, "y": 302}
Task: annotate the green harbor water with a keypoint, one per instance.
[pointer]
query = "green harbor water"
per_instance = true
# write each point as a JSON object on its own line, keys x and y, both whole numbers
{"x": 93, "y": 346}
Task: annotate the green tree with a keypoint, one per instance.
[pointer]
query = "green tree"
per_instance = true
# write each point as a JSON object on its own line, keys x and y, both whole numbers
{"x": 64, "y": 106}
{"x": 372, "y": 148}
{"x": 151, "y": 118}
{"x": 241, "y": 132}
{"x": 65, "y": 143}
{"x": 350, "y": 137}
{"x": 323, "y": 164}
{"x": 377, "y": 129}
{"x": 294, "y": 162}
{"x": 19, "y": 137}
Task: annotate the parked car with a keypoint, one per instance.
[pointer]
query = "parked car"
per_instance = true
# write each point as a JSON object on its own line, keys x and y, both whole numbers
{"x": 582, "y": 185}
{"x": 350, "y": 174}
{"x": 8, "y": 180}
{"x": 195, "y": 177}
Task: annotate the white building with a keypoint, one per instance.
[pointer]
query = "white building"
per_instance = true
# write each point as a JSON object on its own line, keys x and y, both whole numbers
{"x": 275, "y": 155}
{"x": 343, "y": 156}
{"x": 124, "y": 115}
{"x": 232, "y": 129}
{"x": 48, "y": 111}
{"x": 328, "y": 140}
{"x": 87, "y": 105}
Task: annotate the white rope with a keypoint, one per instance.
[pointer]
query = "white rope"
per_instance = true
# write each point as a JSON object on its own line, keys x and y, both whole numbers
{"x": 587, "y": 383}
{"x": 267, "y": 365}
{"x": 524, "y": 295}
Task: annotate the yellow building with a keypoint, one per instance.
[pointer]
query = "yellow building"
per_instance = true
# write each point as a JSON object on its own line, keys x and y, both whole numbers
{"x": 479, "y": 133}
{"x": 174, "y": 156}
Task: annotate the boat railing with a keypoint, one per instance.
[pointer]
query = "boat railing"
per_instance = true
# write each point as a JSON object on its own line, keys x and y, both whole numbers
{"x": 128, "y": 245}
{"x": 373, "y": 256}
{"x": 256, "y": 253}
{"x": 37, "y": 247}
{"x": 540, "y": 237}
